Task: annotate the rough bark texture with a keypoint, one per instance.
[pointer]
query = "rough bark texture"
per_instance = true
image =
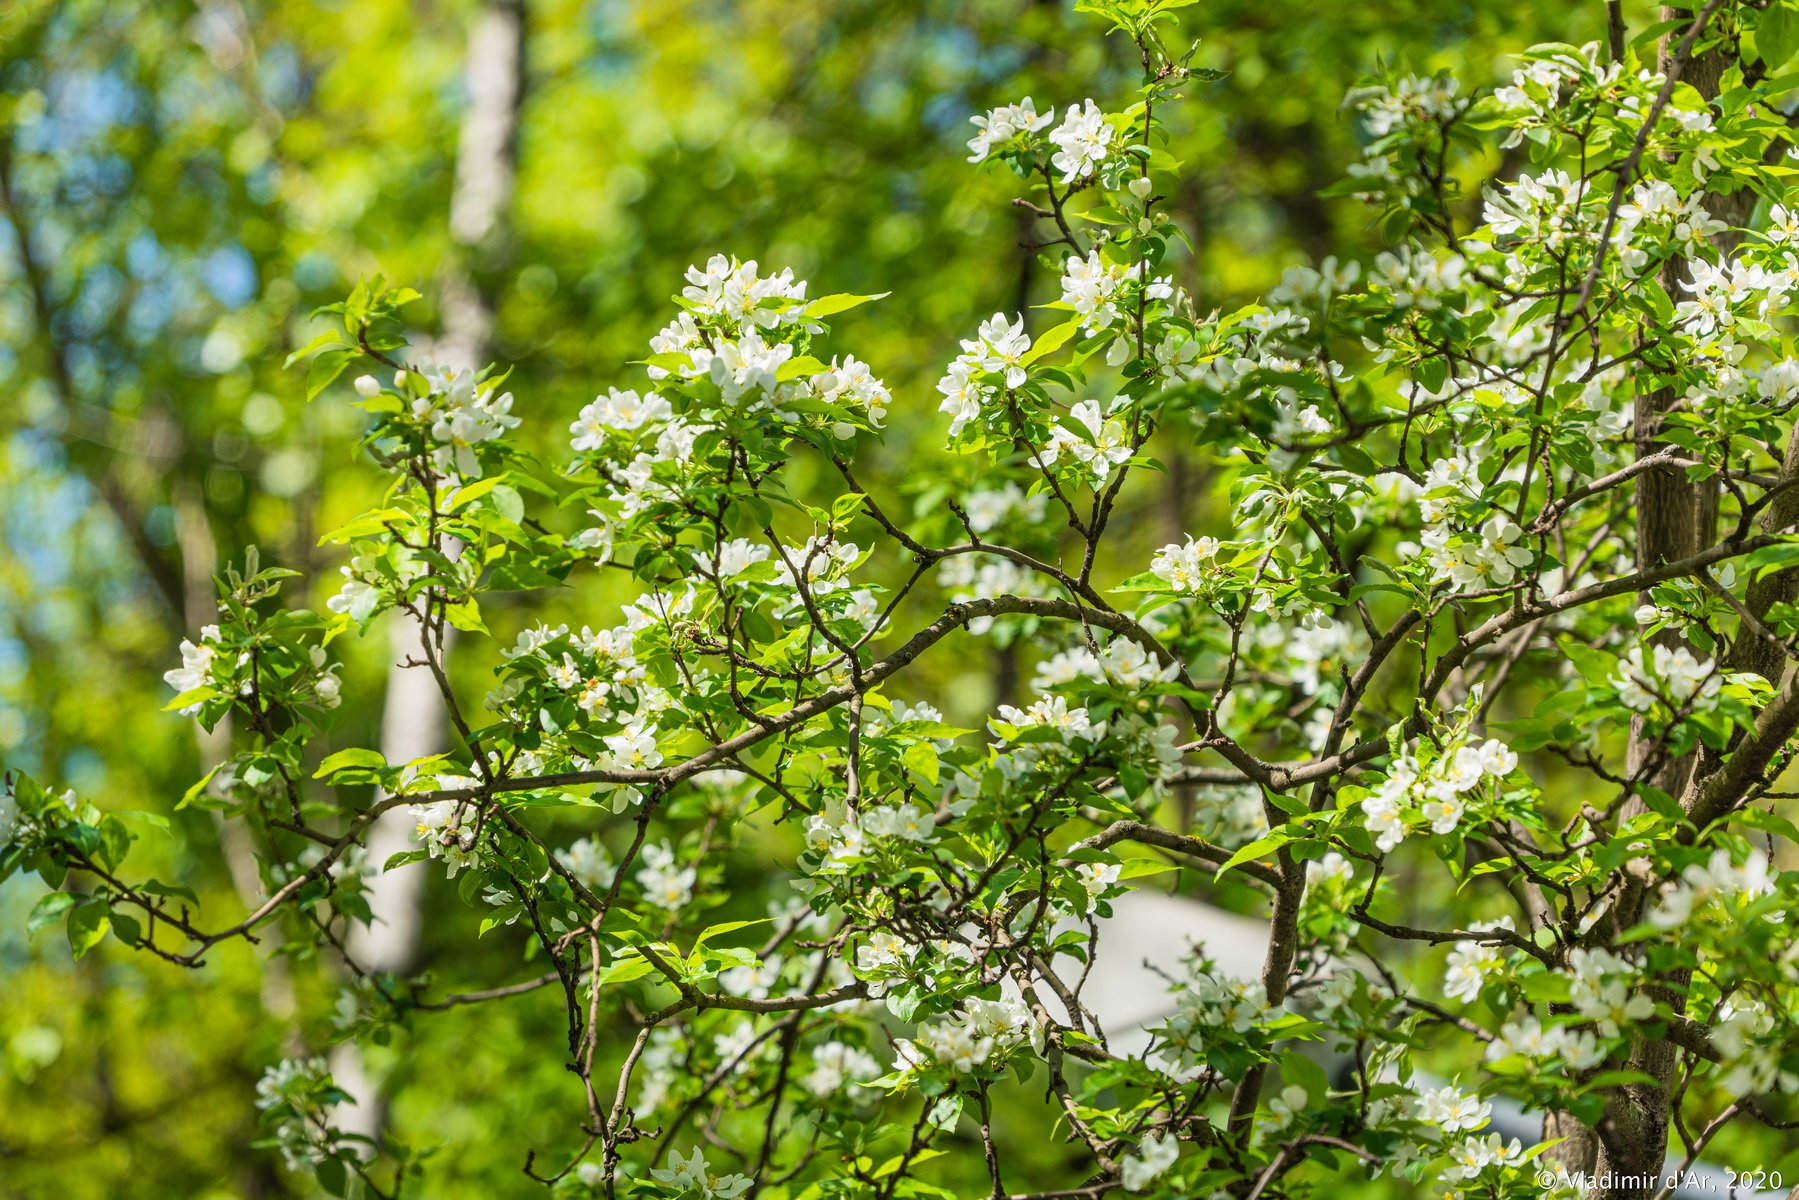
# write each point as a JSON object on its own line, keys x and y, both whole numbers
{"x": 1675, "y": 518}
{"x": 414, "y": 719}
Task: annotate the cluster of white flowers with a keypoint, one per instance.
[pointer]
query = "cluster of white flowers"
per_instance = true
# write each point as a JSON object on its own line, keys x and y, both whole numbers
{"x": 755, "y": 980}
{"x": 1603, "y": 998}
{"x": 1294, "y": 424}
{"x": 1656, "y": 213}
{"x": 365, "y": 582}
{"x": 1000, "y": 125}
{"x": 982, "y": 1032}
{"x": 836, "y": 1063}
{"x": 1413, "y": 277}
{"x": 1718, "y": 878}
{"x": 875, "y": 721}
{"x": 1433, "y": 795}
{"x": 1467, "y": 556}
{"x": 731, "y": 293}
{"x": 589, "y": 863}
{"x": 1092, "y": 286}
{"x": 1083, "y": 141}
{"x": 448, "y": 827}
{"x": 1410, "y": 99}
{"x": 1721, "y": 292}
{"x": 302, "y": 1132}
{"x": 1208, "y": 1003}
{"x": 1547, "y": 210}
{"x": 459, "y": 413}
{"x": 1315, "y": 287}
{"x": 883, "y": 950}
{"x": 851, "y": 382}
{"x": 836, "y": 836}
{"x": 665, "y": 884}
{"x": 1229, "y": 815}
{"x": 620, "y": 410}
{"x": 195, "y": 670}
{"x": 907, "y": 822}
{"x": 1529, "y": 1038}
{"x": 978, "y": 577}
{"x": 820, "y": 564}
{"x": 1150, "y": 1161}
{"x": 1453, "y": 1110}
{"x": 1747, "y": 1038}
{"x": 600, "y": 671}
{"x": 327, "y": 687}
{"x": 998, "y": 348}
{"x": 1185, "y": 566}
{"x": 1119, "y": 663}
{"x": 1095, "y": 878}
{"x": 988, "y": 507}
{"x": 1052, "y": 712}
{"x": 1470, "y": 563}
{"x": 1315, "y": 648}
{"x": 1671, "y": 675}
{"x": 1471, "y": 1157}
{"x": 732, "y": 558}
{"x": 730, "y": 336}
{"x": 693, "y": 1172}
{"x": 1101, "y": 443}
{"x": 746, "y": 365}
{"x": 1533, "y": 99}
{"x": 1778, "y": 382}
{"x": 1471, "y": 962}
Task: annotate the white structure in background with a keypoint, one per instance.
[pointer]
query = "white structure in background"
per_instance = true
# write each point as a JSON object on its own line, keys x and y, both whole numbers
{"x": 1127, "y": 995}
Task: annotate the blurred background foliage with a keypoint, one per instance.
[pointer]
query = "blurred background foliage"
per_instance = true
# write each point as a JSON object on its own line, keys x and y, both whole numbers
{"x": 184, "y": 182}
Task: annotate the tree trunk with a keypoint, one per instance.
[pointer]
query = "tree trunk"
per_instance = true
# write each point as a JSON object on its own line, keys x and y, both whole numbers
{"x": 414, "y": 718}
{"x": 1675, "y": 518}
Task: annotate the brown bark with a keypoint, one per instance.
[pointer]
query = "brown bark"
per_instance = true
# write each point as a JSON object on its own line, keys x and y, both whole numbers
{"x": 1676, "y": 517}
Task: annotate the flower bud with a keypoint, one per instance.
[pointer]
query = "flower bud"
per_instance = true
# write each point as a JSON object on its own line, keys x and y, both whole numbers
{"x": 1141, "y": 187}
{"x": 367, "y": 387}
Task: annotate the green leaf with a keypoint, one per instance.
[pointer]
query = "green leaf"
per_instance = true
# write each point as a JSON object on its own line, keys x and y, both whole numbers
{"x": 466, "y": 616}
{"x": 799, "y": 366}
{"x": 824, "y": 306}
{"x": 1777, "y": 34}
{"x": 330, "y": 337}
{"x": 1595, "y": 666}
{"x": 466, "y": 495}
{"x": 1051, "y": 341}
{"x": 325, "y": 369}
{"x": 356, "y": 756}
{"x": 88, "y": 925}
{"x": 1768, "y": 559}
{"x": 626, "y": 967}
{"x": 367, "y": 525}
{"x": 331, "y": 1176}
{"x": 198, "y": 789}
{"x": 126, "y": 928}
{"x": 921, "y": 759}
{"x": 1255, "y": 850}
{"x": 720, "y": 930}
{"x": 1297, "y": 1069}
{"x": 48, "y": 911}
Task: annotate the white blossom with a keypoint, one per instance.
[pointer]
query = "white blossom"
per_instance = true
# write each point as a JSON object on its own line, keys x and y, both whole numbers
{"x": 1083, "y": 140}
{"x": 1000, "y": 125}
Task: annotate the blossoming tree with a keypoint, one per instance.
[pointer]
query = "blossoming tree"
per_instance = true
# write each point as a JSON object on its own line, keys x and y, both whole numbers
{"x": 1500, "y": 612}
